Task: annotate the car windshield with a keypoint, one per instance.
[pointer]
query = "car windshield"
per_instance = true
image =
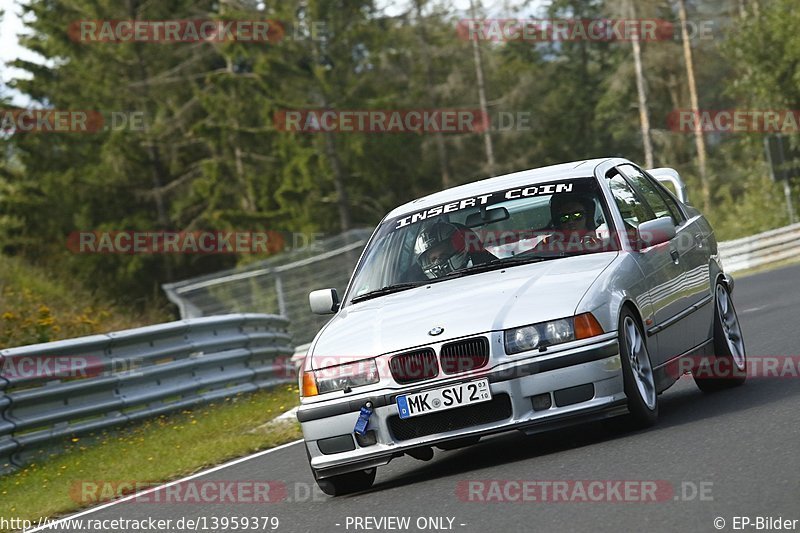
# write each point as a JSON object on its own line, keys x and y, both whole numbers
{"x": 474, "y": 234}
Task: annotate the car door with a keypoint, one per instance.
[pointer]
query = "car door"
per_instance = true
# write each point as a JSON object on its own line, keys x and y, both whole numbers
{"x": 661, "y": 266}
{"x": 695, "y": 252}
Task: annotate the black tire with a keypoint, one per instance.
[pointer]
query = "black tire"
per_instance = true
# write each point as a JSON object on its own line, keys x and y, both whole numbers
{"x": 347, "y": 483}
{"x": 643, "y": 411}
{"x": 728, "y": 367}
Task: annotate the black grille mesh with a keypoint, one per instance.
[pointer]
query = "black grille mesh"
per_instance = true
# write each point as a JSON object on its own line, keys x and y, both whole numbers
{"x": 414, "y": 366}
{"x": 498, "y": 408}
{"x": 463, "y": 356}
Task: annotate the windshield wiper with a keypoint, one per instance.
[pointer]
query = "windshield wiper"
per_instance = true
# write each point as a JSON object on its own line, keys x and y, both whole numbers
{"x": 497, "y": 263}
{"x": 389, "y": 289}
{"x": 483, "y": 267}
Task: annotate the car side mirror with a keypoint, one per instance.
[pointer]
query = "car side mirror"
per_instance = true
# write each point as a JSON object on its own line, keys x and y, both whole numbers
{"x": 324, "y": 301}
{"x": 654, "y": 232}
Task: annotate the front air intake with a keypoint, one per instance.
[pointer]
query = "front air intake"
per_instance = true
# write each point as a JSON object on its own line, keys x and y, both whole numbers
{"x": 466, "y": 355}
{"x": 414, "y": 366}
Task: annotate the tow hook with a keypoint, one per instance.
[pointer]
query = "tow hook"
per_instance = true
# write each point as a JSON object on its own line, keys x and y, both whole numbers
{"x": 363, "y": 419}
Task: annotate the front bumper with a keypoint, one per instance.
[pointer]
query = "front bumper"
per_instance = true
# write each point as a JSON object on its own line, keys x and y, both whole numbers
{"x": 583, "y": 383}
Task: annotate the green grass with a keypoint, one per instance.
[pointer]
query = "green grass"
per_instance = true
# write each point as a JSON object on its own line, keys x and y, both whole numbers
{"x": 157, "y": 450}
{"x": 38, "y": 306}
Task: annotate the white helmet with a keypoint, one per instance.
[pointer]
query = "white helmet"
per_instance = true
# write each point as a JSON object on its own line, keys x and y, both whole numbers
{"x": 440, "y": 250}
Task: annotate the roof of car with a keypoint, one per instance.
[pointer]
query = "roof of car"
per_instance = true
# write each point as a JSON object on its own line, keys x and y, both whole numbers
{"x": 561, "y": 171}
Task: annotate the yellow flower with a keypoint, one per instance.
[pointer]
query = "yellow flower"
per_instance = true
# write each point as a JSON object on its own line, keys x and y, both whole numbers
{"x": 46, "y": 321}
{"x": 8, "y": 315}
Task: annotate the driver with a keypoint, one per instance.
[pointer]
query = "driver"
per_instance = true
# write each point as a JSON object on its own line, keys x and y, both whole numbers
{"x": 573, "y": 217}
{"x": 572, "y": 212}
{"x": 442, "y": 249}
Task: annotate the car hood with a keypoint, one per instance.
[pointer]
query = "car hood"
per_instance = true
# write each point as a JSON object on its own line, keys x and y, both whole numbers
{"x": 477, "y": 303}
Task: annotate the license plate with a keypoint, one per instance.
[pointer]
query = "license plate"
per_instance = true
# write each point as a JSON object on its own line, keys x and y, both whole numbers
{"x": 431, "y": 401}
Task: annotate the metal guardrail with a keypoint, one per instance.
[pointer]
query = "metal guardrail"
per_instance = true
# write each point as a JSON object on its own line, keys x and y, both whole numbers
{"x": 133, "y": 374}
{"x": 761, "y": 249}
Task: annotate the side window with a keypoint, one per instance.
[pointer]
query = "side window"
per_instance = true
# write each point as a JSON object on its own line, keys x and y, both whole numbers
{"x": 650, "y": 193}
{"x": 672, "y": 204}
{"x": 633, "y": 210}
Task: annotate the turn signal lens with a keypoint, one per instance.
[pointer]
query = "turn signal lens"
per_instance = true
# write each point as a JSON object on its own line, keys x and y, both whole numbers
{"x": 309, "y": 385}
{"x": 586, "y": 325}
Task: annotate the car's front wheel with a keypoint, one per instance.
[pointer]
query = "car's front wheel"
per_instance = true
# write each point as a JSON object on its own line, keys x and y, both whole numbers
{"x": 637, "y": 372}
{"x": 728, "y": 367}
{"x": 347, "y": 483}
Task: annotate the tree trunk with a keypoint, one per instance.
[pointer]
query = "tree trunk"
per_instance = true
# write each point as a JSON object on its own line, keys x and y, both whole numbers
{"x": 644, "y": 116}
{"x": 156, "y": 165}
{"x": 698, "y": 132}
{"x": 438, "y": 137}
{"x": 342, "y": 198}
{"x": 247, "y": 202}
{"x": 487, "y": 134}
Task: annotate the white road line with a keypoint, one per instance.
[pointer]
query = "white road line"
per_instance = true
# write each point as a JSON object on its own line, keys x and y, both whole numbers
{"x": 54, "y": 524}
{"x": 753, "y": 309}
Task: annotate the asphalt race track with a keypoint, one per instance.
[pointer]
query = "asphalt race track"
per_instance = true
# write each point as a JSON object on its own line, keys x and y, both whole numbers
{"x": 733, "y": 453}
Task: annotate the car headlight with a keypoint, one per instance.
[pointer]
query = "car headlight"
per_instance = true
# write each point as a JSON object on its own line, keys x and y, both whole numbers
{"x": 340, "y": 377}
{"x": 550, "y": 333}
